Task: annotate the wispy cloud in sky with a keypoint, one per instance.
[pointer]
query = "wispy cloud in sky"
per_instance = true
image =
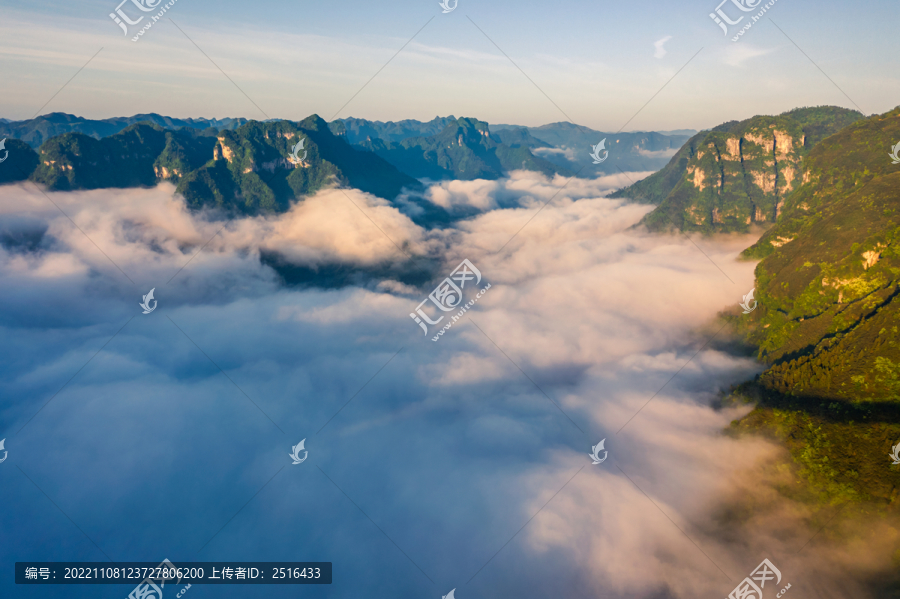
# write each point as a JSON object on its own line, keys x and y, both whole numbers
{"x": 449, "y": 67}
{"x": 659, "y": 51}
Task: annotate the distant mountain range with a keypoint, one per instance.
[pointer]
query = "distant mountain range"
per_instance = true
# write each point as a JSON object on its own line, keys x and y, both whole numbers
{"x": 464, "y": 149}
{"x": 36, "y": 131}
{"x": 737, "y": 174}
{"x": 359, "y": 130}
{"x": 687, "y": 132}
{"x": 242, "y": 166}
{"x": 569, "y": 146}
{"x": 556, "y": 148}
{"x": 240, "y": 171}
{"x": 566, "y": 147}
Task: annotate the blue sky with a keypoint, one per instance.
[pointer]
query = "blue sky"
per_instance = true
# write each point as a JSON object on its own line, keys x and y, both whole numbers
{"x": 595, "y": 61}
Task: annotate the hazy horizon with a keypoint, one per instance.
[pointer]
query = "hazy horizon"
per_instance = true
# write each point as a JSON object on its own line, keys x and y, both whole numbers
{"x": 195, "y": 117}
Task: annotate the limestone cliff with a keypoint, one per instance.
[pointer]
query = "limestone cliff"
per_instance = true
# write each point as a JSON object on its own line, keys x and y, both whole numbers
{"x": 736, "y": 174}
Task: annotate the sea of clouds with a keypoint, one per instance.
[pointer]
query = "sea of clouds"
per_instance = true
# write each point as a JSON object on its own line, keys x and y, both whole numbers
{"x": 432, "y": 466}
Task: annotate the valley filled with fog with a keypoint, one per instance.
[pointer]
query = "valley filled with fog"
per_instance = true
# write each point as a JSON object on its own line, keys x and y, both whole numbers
{"x": 461, "y": 463}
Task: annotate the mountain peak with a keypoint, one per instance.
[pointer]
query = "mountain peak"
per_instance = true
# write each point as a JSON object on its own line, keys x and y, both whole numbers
{"x": 314, "y": 123}
{"x": 472, "y": 122}
{"x": 467, "y": 130}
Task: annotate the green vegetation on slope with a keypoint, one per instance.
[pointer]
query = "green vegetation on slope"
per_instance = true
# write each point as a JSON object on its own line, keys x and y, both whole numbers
{"x": 840, "y": 449}
{"x": 829, "y": 277}
{"x": 129, "y": 158}
{"x": 828, "y": 320}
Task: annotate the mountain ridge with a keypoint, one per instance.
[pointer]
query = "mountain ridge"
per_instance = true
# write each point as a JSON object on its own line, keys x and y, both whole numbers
{"x": 42, "y": 128}
{"x": 563, "y": 145}
{"x": 241, "y": 171}
{"x": 356, "y": 130}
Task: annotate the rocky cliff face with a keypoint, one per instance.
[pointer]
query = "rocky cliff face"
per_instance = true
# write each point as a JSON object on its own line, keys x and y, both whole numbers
{"x": 739, "y": 178}
{"x": 737, "y": 174}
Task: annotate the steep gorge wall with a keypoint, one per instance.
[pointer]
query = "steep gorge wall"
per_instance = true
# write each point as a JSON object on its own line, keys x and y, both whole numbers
{"x": 735, "y": 179}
